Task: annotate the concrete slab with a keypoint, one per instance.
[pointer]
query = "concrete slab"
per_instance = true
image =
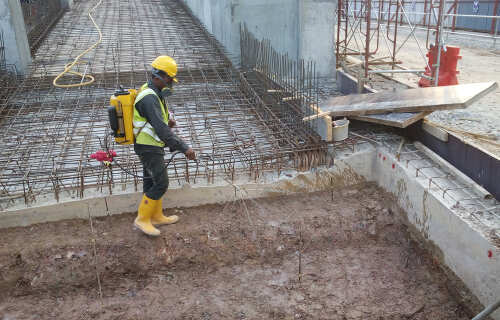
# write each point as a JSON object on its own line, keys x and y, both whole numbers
{"x": 411, "y": 100}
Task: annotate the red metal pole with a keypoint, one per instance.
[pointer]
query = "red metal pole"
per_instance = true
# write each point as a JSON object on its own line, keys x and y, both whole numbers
{"x": 367, "y": 44}
{"x": 425, "y": 12}
{"x": 439, "y": 21}
{"x": 339, "y": 24}
{"x": 395, "y": 34}
{"x": 346, "y": 32}
{"x": 493, "y": 21}
{"x": 401, "y": 18}
{"x": 438, "y": 44}
{"x": 455, "y": 5}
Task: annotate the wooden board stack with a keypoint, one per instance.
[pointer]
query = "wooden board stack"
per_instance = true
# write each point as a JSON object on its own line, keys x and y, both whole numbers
{"x": 402, "y": 108}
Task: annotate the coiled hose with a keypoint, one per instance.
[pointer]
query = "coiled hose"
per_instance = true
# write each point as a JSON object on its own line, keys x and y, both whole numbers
{"x": 69, "y": 66}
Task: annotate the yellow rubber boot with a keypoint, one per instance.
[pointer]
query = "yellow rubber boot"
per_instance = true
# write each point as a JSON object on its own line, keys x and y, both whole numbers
{"x": 159, "y": 218}
{"x": 144, "y": 214}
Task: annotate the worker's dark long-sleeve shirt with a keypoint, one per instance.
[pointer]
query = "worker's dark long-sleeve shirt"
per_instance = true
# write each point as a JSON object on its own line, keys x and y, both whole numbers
{"x": 149, "y": 107}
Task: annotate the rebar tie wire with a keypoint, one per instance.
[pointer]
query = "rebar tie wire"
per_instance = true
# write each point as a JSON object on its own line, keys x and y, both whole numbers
{"x": 69, "y": 66}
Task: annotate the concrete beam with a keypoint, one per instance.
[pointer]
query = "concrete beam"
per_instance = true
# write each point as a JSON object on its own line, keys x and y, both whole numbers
{"x": 17, "y": 49}
{"x": 438, "y": 133}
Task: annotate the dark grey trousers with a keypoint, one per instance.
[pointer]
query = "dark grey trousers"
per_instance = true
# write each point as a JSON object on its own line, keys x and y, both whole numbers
{"x": 155, "y": 178}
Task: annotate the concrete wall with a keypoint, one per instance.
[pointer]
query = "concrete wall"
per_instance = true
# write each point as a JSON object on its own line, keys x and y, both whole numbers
{"x": 317, "y": 34}
{"x": 301, "y": 28}
{"x": 458, "y": 243}
{"x": 462, "y": 246}
{"x": 17, "y": 49}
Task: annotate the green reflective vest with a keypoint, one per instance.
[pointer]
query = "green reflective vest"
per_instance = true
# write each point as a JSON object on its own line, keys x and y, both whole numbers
{"x": 144, "y": 132}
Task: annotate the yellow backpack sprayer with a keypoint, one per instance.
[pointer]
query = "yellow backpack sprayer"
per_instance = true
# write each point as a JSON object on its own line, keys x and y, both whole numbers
{"x": 121, "y": 114}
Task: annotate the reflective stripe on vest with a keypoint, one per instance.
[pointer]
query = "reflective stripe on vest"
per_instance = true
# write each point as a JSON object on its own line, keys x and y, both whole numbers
{"x": 143, "y": 131}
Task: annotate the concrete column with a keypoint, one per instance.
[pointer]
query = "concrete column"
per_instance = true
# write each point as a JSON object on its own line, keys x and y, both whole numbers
{"x": 317, "y": 34}
{"x": 17, "y": 49}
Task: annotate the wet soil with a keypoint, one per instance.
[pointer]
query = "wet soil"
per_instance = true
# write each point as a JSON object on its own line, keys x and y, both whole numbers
{"x": 344, "y": 254}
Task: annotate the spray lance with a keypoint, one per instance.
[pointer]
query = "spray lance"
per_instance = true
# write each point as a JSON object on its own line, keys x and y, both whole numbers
{"x": 107, "y": 158}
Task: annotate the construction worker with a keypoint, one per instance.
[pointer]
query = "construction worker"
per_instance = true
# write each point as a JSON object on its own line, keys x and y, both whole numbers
{"x": 152, "y": 130}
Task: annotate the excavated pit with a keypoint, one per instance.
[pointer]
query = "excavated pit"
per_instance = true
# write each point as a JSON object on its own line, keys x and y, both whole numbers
{"x": 340, "y": 254}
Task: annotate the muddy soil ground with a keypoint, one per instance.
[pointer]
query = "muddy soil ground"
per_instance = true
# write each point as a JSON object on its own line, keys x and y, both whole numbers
{"x": 290, "y": 257}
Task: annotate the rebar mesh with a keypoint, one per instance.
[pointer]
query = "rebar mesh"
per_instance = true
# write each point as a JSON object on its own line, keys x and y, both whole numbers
{"x": 49, "y": 133}
{"x": 288, "y": 83}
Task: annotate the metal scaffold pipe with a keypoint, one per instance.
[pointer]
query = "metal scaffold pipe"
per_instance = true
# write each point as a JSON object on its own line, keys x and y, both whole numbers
{"x": 489, "y": 310}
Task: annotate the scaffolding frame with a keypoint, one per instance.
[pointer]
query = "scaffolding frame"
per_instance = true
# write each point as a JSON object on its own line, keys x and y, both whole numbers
{"x": 371, "y": 30}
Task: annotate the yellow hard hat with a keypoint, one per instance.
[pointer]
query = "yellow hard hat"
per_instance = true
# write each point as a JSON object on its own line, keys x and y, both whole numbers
{"x": 167, "y": 65}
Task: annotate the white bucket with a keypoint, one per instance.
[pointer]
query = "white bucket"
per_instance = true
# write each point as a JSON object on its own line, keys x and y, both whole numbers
{"x": 340, "y": 130}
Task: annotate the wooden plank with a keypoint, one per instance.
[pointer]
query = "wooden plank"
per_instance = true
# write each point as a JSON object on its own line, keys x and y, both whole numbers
{"x": 398, "y": 120}
{"x": 411, "y": 100}
{"x": 355, "y": 62}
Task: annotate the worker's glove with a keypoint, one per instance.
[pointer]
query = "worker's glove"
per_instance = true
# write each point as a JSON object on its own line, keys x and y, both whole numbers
{"x": 190, "y": 154}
